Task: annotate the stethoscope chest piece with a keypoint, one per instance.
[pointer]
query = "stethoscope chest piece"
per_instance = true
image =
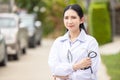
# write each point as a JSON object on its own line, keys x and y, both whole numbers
{"x": 92, "y": 54}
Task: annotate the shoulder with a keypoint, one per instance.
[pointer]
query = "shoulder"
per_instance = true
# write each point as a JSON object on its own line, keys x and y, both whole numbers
{"x": 58, "y": 40}
{"x": 62, "y": 38}
{"x": 91, "y": 39}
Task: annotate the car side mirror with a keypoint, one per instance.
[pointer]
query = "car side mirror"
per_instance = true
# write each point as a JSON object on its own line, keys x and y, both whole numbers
{"x": 0, "y": 35}
{"x": 38, "y": 24}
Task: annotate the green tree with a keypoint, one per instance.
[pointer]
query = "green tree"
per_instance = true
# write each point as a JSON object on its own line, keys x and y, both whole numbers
{"x": 29, "y": 4}
{"x": 52, "y": 17}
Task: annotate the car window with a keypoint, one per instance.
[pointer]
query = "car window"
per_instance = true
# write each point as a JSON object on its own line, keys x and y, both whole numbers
{"x": 7, "y": 22}
{"x": 28, "y": 22}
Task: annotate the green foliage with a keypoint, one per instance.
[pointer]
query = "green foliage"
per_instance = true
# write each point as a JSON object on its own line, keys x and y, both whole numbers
{"x": 71, "y": 1}
{"x": 54, "y": 13}
{"x": 29, "y": 4}
{"x": 99, "y": 22}
{"x": 113, "y": 65}
{"x": 52, "y": 18}
{"x": 48, "y": 28}
{"x": 5, "y": 1}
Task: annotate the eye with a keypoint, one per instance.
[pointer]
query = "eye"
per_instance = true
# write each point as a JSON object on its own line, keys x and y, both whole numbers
{"x": 73, "y": 17}
{"x": 66, "y": 17}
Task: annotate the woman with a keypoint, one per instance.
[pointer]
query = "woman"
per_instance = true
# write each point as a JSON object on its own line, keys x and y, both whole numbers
{"x": 74, "y": 56}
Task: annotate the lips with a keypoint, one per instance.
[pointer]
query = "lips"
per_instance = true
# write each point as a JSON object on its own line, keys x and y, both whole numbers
{"x": 70, "y": 26}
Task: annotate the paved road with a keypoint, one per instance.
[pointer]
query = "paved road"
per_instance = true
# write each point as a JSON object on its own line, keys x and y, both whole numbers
{"x": 32, "y": 66}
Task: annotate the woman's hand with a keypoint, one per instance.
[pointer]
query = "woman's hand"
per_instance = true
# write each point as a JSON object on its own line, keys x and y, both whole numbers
{"x": 61, "y": 77}
{"x": 86, "y": 62}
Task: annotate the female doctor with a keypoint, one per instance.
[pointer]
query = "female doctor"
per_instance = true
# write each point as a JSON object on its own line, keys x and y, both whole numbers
{"x": 74, "y": 56}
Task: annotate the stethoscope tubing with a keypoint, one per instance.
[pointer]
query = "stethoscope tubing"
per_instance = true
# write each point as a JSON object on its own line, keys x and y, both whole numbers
{"x": 95, "y": 54}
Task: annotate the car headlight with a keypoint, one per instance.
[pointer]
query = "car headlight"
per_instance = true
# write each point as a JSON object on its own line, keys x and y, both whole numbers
{"x": 31, "y": 33}
{"x": 10, "y": 38}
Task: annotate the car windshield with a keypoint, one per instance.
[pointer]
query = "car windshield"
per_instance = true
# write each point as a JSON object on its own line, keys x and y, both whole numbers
{"x": 28, "y": 21}
{"x": 7, "y": 22}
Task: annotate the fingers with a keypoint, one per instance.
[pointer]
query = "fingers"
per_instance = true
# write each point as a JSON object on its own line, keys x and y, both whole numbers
{"x": 61, "y": 77}
{"x": 86, "y": 62}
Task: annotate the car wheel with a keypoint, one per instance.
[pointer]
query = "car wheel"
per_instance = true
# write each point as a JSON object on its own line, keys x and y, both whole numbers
{"x": 32, "y": 43}
{"x": 18, "y": 52}
{"x": 24, "y": 50}
{"x": 4, "y": 61}
{"x": 39, "y": 42}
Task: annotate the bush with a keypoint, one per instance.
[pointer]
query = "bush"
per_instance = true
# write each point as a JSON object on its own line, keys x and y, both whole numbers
{"x": 48, "y": 28}
{"x": 99, "y": 22}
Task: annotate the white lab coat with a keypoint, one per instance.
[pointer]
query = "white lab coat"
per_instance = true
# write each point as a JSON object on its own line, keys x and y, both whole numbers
{"x": 58, "y": 60}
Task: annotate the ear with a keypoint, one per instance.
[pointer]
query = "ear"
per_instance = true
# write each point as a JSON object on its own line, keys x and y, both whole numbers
{"x": 82, "y": 20}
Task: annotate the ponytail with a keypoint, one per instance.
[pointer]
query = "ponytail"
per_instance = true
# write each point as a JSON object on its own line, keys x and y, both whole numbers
{"x": 83, "y": 27}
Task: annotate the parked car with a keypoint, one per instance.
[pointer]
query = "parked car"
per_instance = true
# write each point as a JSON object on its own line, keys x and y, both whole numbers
{"x": 16, "y": 37}
{"x": 34, "y": 29}
{"x": 3, "y": 54}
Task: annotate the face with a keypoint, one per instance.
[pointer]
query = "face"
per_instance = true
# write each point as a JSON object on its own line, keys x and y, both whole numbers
{"x": 72, "y": 20}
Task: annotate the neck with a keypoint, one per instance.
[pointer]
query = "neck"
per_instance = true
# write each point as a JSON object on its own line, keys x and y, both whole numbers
{"x": 74, "y": 35}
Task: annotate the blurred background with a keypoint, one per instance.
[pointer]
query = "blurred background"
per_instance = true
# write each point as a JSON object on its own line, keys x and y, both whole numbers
{"x": 106, "y": 12}
{"x": 30, "y": 27}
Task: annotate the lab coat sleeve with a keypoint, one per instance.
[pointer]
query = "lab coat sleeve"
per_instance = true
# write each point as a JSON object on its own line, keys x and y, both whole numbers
{"x": 86, "y": 74}
{"x": 58, "y": 68}
{"x": 93, "y": 46}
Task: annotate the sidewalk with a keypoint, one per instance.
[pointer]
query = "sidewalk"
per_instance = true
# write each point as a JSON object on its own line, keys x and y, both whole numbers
{"x": 102, "y": 73}
{"x": 110, "y": 48}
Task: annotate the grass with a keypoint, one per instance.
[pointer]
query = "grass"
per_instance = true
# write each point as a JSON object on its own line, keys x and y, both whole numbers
{"x": 112, "y": 63}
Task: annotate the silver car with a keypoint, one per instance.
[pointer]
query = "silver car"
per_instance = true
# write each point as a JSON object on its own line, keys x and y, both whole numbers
{"x": 34, "y": 29}
{"x": 3, "y": 55}
{"x": 16, "y": 37}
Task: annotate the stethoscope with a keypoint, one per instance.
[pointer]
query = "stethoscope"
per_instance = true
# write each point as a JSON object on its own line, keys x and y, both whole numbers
{"x": 91, "y": 54}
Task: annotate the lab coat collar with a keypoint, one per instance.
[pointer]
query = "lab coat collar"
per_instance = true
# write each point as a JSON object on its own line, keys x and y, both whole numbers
{"x": 81, "y": 37}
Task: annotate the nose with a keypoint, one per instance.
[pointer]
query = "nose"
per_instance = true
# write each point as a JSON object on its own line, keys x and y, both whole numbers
{"x": 69, "y": 20}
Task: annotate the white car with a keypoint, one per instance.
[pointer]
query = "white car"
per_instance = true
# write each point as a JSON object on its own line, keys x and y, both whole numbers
{"x": 3, "y": 55}
{"x": 16, "y": 37}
